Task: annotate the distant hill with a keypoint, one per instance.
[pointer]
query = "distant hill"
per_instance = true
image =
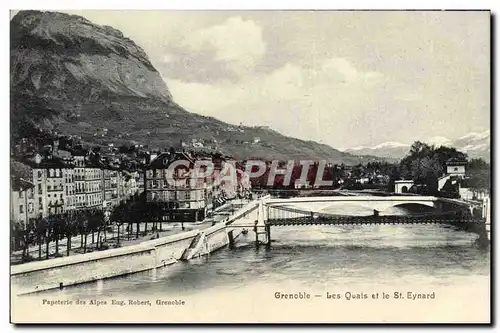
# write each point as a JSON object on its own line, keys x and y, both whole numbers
{"x": 74, "y": 77}
{"x": 475, "y": 145}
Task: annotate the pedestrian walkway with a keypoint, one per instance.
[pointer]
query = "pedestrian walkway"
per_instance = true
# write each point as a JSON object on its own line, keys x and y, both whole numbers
{"x": 110, "y": 238}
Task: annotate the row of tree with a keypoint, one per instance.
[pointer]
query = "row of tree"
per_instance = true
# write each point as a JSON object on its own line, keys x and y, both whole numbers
{"x": 53, "y": 228}
{"x": 92, "y": 223}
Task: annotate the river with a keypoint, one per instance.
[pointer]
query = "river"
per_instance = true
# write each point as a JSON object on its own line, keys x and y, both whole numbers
{"x": 315, "y": 259}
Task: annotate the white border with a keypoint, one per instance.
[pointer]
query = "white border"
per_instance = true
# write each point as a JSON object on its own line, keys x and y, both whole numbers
{"x": 184, "y": 5}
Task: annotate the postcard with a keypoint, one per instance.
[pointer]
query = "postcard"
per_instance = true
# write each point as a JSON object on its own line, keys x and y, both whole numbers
{"x": 266, "y": 166}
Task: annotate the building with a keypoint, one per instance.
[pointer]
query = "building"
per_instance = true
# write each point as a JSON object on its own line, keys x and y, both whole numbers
{"x": 402, "y": 186}
{"x": 22, "y": 201}
{"x": 180, "y": 194}
{"x": 363, "y": 180}
{"x": 79, "y": 181}
{"x": 93, "y": 185}
{"x": 54, "y": 190}
{"x": 69, "y": 188}
{"x": 106, "y": 187}
{"x": 456, "y": 167}
{"x": 115, "y": 176}
{"x": 472, "y": 194}
{"x": 299, "y": 184}
{"x": 88, "y": 176}
{"x": 54, "y": 182}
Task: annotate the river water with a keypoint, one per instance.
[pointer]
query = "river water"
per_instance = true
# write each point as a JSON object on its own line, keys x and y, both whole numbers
{"x": 314, "y": 259}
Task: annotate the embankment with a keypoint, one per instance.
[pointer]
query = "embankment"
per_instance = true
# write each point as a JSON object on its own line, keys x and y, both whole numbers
{"x": 55, "y": 273}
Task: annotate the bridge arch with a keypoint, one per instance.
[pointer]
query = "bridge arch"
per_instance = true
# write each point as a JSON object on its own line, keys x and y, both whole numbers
{"x": 410, "y": 207}
{"x": 415, "y": 205}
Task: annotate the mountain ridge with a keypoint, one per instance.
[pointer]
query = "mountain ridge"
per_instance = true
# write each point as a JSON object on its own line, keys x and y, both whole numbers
{"x": 475, "y": 144}
{"x": 71, "y": 76}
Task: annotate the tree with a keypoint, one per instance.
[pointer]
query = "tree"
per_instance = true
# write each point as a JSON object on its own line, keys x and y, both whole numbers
{"x": 96, "y": 223}
{"x": 426, "y": 171}
{"x": 17, "y": 233}
{"x": 40, "y": 234}
{"x": 425, "y": 164}
{"x": 119, "y": 215}
{"x": 446, "y": 153}
{"x": 394, "y": 175}
{"x": 57, "y": 228}
{"x": 83, "y": 224}
{"x": 71, "y": 219}
{"x": 479, "y": 174}
{"x": 48, "y": 234}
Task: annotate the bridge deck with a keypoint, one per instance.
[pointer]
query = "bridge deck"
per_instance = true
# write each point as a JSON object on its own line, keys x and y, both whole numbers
{"x": 368, "y": 220}
{"x": 409, "y": 199}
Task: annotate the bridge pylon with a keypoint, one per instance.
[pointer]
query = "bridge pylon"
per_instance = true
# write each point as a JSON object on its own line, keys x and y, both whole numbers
{"x": 262, "y": 228}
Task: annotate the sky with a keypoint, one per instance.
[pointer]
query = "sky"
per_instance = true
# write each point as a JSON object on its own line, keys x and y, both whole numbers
{"x": 337, "y": 77}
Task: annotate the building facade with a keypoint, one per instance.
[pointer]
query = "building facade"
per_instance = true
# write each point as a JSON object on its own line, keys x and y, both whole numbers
{"x": 54, "y": 188}
{"x": 93, "y": 187}
{"x": 79, "y": 182}
{"x": 22, "y": 201}
{"x": 456, "y": 168}
{"x": 402, "y": 186}
{"x": 176, "y": 193}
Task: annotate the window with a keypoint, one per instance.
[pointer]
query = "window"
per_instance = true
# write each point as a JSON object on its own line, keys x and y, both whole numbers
{"x": 40, "y": 189}
{"x": 51, "y": 172}
{"x": 188, "y": 195}
{"x": 20, "y": 194}
{"x": 21, "y": 209}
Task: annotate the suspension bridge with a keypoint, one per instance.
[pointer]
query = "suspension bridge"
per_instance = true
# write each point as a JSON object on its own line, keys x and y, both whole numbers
{"x": 375, "y": 210}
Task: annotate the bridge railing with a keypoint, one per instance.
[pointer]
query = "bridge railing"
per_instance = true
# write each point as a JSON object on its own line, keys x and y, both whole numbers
{"x": 243, "y": 211}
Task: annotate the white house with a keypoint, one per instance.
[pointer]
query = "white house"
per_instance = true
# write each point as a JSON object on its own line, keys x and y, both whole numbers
{"x": 402, "y": 186}
{"x": 456, "y": 168}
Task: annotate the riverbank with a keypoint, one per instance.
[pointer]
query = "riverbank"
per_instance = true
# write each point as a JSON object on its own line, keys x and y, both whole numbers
{"x": 139, "y": 255}
{"x": 111, "y": 239}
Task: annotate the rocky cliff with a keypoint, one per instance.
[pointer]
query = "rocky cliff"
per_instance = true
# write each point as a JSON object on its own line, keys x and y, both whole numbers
{"x": 58, "y": 56}
{"x": 75, "y": 77}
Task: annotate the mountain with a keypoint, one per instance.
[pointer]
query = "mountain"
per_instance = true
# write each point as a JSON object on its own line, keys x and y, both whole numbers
{"x": 476, "y": 145}
{"x": 74, "y": 77}
{"x": 394, "y": 150}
